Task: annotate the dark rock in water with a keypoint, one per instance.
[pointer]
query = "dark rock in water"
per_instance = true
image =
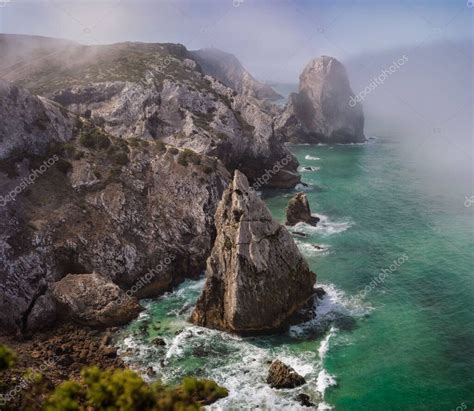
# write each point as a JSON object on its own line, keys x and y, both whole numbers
{"x": 320, "y": 292}
{"x": 281, "y": 375}
{"x": 324, "y": 109}
{"x": 150, "y": 372}
{"x": 256, "y": 278}
{"x": 93, "y": 300}
{"x": 318, "y": 247}
{"x": 298, "y": 211}
{"x": 299, "y": 234}
{"x": 304, "y": 400}
{"x": 307, "y": 168}
{"x": 158, "y": 342}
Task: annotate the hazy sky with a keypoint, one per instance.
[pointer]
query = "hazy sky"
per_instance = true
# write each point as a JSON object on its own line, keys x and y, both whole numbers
{"x": 273, "y": 39}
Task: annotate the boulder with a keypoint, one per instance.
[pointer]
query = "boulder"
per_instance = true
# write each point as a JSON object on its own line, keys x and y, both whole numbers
{"x": 304, "y": 400}
{"x": 298, "y": 211}
{"x": 256, "y": 278}
{"x": 324, "y": 110}
{"x": 92, "y": 300}
{"x": 281, "y": 375}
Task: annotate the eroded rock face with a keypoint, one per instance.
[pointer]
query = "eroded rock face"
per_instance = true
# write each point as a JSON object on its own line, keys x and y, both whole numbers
{"x": 159, "y": 92}
{"x": 323, "y": 111}
{"x": 125, "y": 209}
{"x": 281, "y": 375}
{"x": 226, "y": 68}
{"x": 298, "y": 211}
{"x": 92, "y": 300}
{"x": 37, "y": 126}
{"x": 256, "y": 277}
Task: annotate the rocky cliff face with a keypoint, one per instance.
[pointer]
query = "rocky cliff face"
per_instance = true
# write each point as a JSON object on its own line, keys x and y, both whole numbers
{"x": 159, "y": 92}
{"x": 322, "y": 112}
{"x": 226, "y": 68}
{"x": 256, "y": 278}
{"x": 139, "y": 212}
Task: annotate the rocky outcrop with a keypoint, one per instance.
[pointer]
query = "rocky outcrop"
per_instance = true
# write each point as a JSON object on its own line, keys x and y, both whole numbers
{"x": 140, "y": 213}
{"x": 92, "y": 300}
{"x": 298, "y": 211}
{"x": 323, "y": 110}
{"x": 281, "y": 375}
{"x": 159, "y": 92}
{"x": 29, "y": 123}
{"x": 256, "y": 278}
{"x": 226, "y": 68}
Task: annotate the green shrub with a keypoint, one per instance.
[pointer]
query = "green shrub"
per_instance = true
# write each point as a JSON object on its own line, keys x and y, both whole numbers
{"x": 93, "y": 138}
{"x": 188, "y": 156}
{"x": 7, "y": 358}
{"x": 66, "y": 397}
{"x": 63, "y": 165}
{"x": 121, "y": 158}
{"x": 160, "y": 146}
{"x": 124, "y": 390}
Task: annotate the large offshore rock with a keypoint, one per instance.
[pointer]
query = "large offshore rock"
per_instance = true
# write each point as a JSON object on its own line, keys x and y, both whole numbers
{"x": 256, "y": 277}
{"x": 92, "y": 300}
{"x": 281, "y": 375}
{"x": 324, "y": 109}
{"x": 298, "y": 211}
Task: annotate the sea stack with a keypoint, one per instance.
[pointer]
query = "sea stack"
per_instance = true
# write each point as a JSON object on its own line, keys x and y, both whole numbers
{"x": 324, "y": 110}
{"x": 298, "y": 211}
{"x": 256, "y": 278}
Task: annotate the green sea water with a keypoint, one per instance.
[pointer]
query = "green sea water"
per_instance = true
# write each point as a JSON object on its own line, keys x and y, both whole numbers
{"x": 402, "y": 343}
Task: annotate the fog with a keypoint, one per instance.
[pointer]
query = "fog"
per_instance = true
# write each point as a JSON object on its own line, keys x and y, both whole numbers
{"x": 426, "y": 103}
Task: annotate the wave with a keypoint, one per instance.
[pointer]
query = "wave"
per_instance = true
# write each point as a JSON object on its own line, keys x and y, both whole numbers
{"x": 308, "y": 157}
{"x": 304, "y": 187}
{"x": 325, "y": 226}
{"x": 305, "y": 169}
{"x": 309, "y": 250}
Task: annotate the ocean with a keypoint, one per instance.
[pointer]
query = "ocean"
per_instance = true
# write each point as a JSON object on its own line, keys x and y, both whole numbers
{"x": 396, "y": 328}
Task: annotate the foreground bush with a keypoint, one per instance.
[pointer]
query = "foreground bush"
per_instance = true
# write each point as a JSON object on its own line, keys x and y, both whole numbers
{"x": 124, "y": 390}
{"x": 7, "y": 358}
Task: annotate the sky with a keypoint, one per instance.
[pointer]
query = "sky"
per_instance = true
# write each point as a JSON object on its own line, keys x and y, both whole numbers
{"x": 274, "y": 39}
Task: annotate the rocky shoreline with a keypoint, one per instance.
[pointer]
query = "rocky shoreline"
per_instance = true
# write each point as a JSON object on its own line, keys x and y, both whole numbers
{"x": 58, "y": 355}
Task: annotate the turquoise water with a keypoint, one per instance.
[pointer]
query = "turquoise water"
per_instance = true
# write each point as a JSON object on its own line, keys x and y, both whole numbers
{"x": 404, "y": 343}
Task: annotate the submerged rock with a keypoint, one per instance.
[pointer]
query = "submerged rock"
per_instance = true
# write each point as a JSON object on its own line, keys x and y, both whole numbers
{"x": 298, "y": 211}
{"x": 324, "y": 109}
{"x": 256, "y": 276}
{"x": 92, "y": 300}
{"x": 281, "y": 375}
